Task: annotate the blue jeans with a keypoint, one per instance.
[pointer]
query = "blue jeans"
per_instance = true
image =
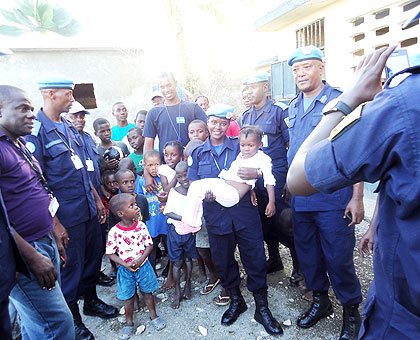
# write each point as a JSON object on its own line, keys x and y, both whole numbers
{"x": 44, "y": 313}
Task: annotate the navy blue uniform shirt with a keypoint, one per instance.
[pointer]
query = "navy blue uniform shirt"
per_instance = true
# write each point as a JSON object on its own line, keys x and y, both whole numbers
{"x": 92, "y": 153}
{"x": 71, "y": 187}
{"x": 301, "y": 124}
{"x": 384, "y": 145}
{"x": 271, "y": 120}
{"x": 204, "y": 162}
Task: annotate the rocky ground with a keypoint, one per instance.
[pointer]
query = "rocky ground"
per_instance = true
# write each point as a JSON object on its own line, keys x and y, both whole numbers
{"x": 200, "y": 317}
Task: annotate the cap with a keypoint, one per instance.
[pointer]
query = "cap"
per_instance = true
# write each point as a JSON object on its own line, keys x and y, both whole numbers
{"x": 155, "y": 93}
{"x": 305, "y": 53}
{"x": 220, "y": 111}
{"x": 257, "y": 77}
{"x": 409, "y": 21}
{"x": 55, "y": 82}
{"x": 77, "y": 107}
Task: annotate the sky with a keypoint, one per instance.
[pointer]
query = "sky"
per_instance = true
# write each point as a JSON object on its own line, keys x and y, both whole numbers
{"x": 145, "y": 25}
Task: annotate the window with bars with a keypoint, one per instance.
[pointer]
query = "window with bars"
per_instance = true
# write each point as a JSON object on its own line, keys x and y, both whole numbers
{"x": 312, "y": 34}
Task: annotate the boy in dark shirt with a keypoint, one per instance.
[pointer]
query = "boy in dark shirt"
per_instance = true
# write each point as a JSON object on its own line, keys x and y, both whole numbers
{"x": 103, "y": 132}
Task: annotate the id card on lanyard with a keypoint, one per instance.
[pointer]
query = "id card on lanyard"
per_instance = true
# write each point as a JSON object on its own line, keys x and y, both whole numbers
{"x": 74, "y": 158}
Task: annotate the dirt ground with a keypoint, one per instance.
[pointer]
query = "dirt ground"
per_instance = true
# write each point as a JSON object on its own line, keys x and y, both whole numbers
{"x": 286, "y": 303}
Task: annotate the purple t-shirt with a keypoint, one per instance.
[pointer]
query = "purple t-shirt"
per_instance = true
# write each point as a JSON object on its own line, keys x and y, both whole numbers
{"x": 25, "y": 198}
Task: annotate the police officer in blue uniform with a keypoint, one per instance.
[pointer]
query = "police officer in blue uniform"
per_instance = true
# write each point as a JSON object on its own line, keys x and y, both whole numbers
{"x": 324, "y": 239}
{"x": 228, "y": 227}
{"x": 60, "y": 150}
{"x": 383, "y": 138}
{"x": 270, "y": 117}
{"x": 76, "y": 115}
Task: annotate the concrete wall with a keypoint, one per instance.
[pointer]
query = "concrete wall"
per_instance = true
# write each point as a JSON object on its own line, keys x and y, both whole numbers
{"x": 117, "y": 75}
{"x": 339, "y": 32}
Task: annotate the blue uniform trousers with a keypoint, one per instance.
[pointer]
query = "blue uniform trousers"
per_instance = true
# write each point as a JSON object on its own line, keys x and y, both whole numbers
{"x": 251, "y": 247}
{"x": 324, "y": 243}
{"x": 84, "y": 257}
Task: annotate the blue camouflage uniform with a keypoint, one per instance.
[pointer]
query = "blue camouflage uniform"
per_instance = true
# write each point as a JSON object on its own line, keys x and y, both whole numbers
{"x": 323, "y": 240}
{"x": 384, "y": 145}
{"x": 228, "y": 227}
{"x": 77, "y": 212}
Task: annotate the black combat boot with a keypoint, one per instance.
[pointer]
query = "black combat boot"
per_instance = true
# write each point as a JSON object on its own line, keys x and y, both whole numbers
{"x": 80, "y": 330}
{"x": 94, "y": 306}
{"x": 237, "y": 307}
{"x": 274, "y": 265}
{"x": 351, "y": 322}
{"x": 320, "y": 308}
{"x": 263, "y": 315}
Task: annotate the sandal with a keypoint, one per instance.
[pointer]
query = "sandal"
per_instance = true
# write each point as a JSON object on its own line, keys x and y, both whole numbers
{"x": 158, "y": 323}
{"x": 208, "y": 288}
{"x": 221, "y": 300}
{"x": 126, "y": 332}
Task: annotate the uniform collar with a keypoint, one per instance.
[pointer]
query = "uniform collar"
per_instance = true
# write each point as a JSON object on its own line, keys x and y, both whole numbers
{"x": 323, "y": 97}
{"x": 266, "y": 108}
{"x": 228, "y": 144}
{"x": 47, "y": 122}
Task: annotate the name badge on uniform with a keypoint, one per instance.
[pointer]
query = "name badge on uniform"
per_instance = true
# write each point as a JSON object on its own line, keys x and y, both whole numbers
{"x": 222, "y": 174}
{"x": 77, "y": 162}
{"x": 53, "y": 207}
{"x": 89, "y": 164}
{"x": 180, "y": 120}
{"x": 265, "y": 141}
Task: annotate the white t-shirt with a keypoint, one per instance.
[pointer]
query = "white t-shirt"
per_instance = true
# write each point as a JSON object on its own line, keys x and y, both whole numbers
{"x": 166, "y": 171}
{"x": 175, "y": 204}
{"x": 259, "y": 160}
{"x": 128, "y": 243}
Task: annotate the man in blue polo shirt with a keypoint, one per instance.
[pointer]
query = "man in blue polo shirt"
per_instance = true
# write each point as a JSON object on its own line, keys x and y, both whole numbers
{"x": 31, "y": 210}
{"x": 59, "y": 148}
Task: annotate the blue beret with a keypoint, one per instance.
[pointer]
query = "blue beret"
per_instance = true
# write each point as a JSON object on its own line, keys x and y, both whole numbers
{"x": 55, "y": 82}
{"x": 257, "y": 77}
{"x": 220, "y": 111}
{"x": 305, "y": 53}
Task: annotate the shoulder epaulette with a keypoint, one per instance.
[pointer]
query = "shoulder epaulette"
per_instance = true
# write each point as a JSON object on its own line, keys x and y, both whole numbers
{"x": 35, "y": 129}
{"x": 283, "y": 106}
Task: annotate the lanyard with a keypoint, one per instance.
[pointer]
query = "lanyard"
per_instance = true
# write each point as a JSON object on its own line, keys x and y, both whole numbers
{"x": 28, "y": 158}
{"x": 215, "y": 162}
{"x": 178, "y": 134}
{"x": 68, "y": 146}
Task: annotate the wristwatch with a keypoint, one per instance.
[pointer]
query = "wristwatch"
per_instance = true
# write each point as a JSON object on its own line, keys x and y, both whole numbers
{"x": 336, "y": 105}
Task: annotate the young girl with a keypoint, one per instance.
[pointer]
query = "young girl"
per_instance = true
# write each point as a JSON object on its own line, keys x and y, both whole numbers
{"x": 172, "y": 153}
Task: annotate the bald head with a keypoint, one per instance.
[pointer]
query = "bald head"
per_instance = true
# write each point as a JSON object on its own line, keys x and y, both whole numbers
{"x": 8, "y": 92}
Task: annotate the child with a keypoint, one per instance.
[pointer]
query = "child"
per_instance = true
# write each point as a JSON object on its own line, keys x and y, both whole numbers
{"x": 198, "y": 130}
{"x": 180, "y": 247}
{"x": 136, "y": 140}
{"x": 172, "y": 151}
{"x": 126, "y": 183}
{"x": 103, "y": 132}
{"x": 229, "y": 188}
{"x": 132, "y": 242}
{"x": 157, "y": 223}
{"x": 140, "y": 119}
{"x": 110, "y": 189}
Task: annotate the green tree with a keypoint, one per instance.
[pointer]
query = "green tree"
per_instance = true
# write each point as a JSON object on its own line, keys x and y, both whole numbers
{"x": 38, "y": 16}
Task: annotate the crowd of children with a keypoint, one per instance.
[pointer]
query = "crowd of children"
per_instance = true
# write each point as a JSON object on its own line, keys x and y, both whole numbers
{"x": 140, "y": 222}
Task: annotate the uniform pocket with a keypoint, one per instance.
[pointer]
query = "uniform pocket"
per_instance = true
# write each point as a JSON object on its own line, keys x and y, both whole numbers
{"x": 204, "y": 168}
{"x": 56, "y": 149}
